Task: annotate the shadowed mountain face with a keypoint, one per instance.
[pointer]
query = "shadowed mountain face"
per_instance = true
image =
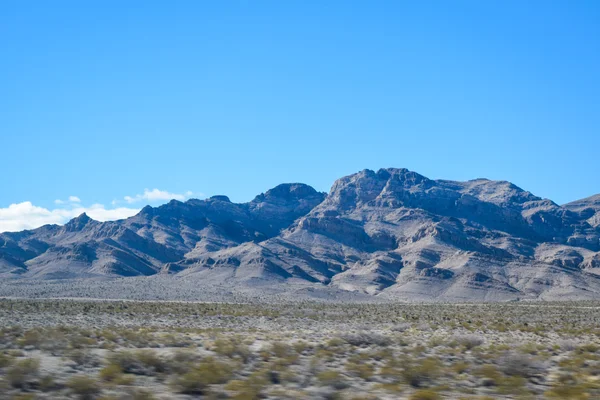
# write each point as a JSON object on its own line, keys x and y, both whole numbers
{"x": 393, "y": 233}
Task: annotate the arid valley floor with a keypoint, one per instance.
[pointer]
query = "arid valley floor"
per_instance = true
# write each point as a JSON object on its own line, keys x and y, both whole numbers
{"x": 85, "y": 349}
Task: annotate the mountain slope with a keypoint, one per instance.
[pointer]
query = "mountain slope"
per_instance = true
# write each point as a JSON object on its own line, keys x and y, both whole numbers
{"x": 154, "y": 239}
{"x": 397, "y": 233}
{"x": 393, "y": 233}
{"x": 588, "y": 209}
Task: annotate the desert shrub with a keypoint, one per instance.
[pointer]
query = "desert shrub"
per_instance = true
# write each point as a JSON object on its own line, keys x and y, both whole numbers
{"x": 490, "y": 373}
{"x": 47, "y": 383}
{"x": 208, "y": 372}
{"x": 84, "y": 387}
{"x": 512, "y": 385}
{"x": 232, "y": 347}
{"x": 23, "y": 372}
{"x": 248, "y": 389}
{"x": 31, "y": 338}
{"x": 567, "y": 345}
{"x": 84, "y": 358}
{"x": 401, "y": 327}
{"x": 335, "y": 342}
{"x": 367, "y": 339}
{"x": 15, "y": 353}
{"x": 567, "y": 387}
{"x": 189, "y": 383}
{"x": 135, "y": 337}
{"x": 110, "y": 372}
{"x": 109, "y": 335}
{"x": 5, "y": 360}
{"x": 361, "y": 369}
{"x": 151, "y": 360}
{"x": 54, "y": 341}
{"x": 286, "y": 375}
{"x": 141, "y": 362}
{"x": 424, "y": 395}
{"x": 114, "y": 374}
{"x": 24, "y": 396}
{"x": 422, "y": 372}
{"x": 468, "y": 341}
{"x": 588, "y": 348}
{"x": 125, "y": 379}
{"x": 184, "y": 356}
{"x": 515, "y": 364}
{"x": 392, "y": 369}
{"x": 80, "y": 342}
{"x": 436, "y": 341}
{"x": 280, "y": 349}
{"x": 126, "y": 361}
{"x": 460, "y": 367}
{"x": 530, "y": 348}
{"x": 174, "y": 340}
{"x": 394, "y": 387}
{"x": 284, "y": 353}
{"x": 332, "y": 378}
{"x": 300, "y": 346}
{"x": 326, "y": 355}
{"x": 139, "y": 394}
{"x": 181, "y": 361}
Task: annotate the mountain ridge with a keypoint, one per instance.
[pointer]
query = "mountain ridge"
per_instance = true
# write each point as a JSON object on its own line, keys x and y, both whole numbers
{"x": 391, "y": 233}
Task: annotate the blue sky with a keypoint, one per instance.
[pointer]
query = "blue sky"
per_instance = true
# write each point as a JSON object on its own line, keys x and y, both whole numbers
{"x": 106, "y": 99}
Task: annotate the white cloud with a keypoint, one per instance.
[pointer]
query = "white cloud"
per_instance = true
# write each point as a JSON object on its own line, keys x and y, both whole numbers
{"x": 72, "y": 200}
{"x": 157, "y": 195}
{"x": 25, "y": 215}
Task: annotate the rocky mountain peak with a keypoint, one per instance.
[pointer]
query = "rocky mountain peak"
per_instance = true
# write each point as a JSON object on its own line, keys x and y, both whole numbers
{"x": 220, "y": 197}
{"x": 288, "y": 192}
{"x": 147, "y": 210}
{"x": 78, "y": 223}
{"x": 367, "y": 185}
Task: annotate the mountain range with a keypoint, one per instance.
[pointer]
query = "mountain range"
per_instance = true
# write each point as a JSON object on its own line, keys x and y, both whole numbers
{"x": 392, "y": 233}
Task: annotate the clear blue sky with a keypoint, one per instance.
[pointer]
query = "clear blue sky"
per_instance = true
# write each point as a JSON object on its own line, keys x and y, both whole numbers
{"x": 102, "y": 99}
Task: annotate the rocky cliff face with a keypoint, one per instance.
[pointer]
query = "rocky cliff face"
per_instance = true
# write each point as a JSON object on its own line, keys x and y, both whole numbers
{"x": 391, "y": 233}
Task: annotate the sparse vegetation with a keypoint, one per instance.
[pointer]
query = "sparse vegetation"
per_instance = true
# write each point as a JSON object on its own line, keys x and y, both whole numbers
{"x": 298, "y": 350}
